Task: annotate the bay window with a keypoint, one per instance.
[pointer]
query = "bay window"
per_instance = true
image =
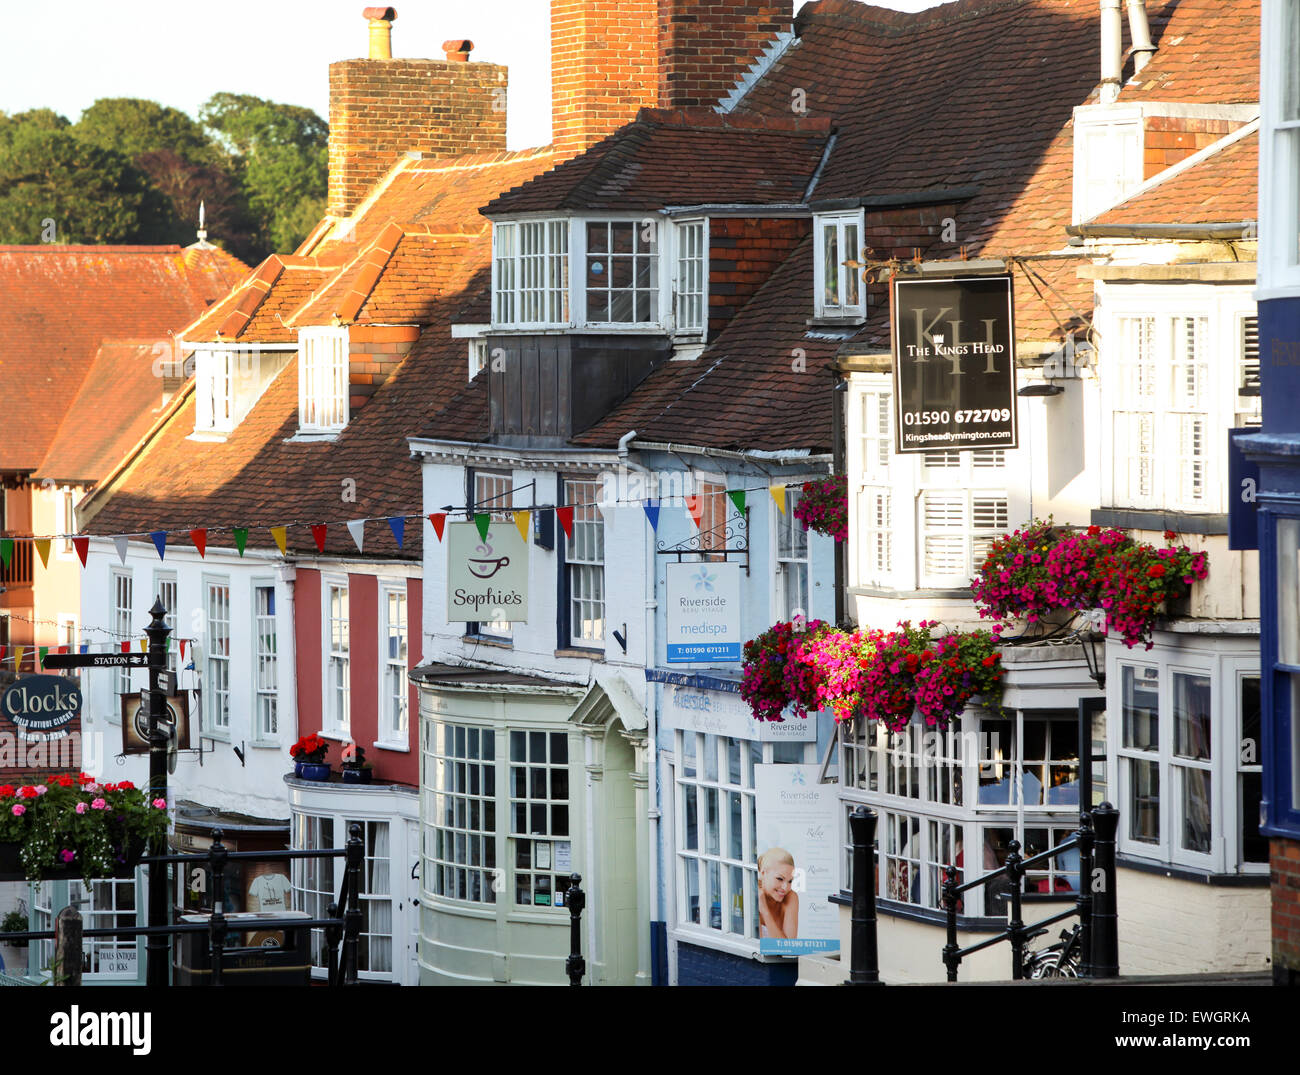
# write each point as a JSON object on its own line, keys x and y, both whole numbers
{"x": 838, "y": 287}
{"x": 322, "y": 380}
{"x": 530, "y": 265}
{"x": 691, "y": 290}
{"x": 622, "y": 272}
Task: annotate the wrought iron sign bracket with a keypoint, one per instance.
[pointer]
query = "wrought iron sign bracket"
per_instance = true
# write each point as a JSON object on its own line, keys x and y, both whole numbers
{"x": 737, "y": 530}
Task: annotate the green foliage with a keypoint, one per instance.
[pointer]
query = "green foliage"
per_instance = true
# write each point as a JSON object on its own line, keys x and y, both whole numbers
{"x": 134, "y": 127}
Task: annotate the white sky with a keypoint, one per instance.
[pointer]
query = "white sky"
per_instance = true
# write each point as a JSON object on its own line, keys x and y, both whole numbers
{"x": 64, "y": 54}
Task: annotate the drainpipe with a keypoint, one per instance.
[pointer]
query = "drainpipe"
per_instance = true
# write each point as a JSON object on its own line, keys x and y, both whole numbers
{"x": 651, "y": 703}
{"x": 838, "y": 391}
{"x": 1140, "y": 32}
{"x": 1112, "y": 48}
{"x": 286, "y": 575}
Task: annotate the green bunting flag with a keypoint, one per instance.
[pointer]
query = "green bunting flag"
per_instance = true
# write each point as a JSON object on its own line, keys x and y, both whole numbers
{"x": 6, "y": 550}
{"x": 241, "y": 538}
{"x": 482, "y": 520}
{"x": 737, "y": 498}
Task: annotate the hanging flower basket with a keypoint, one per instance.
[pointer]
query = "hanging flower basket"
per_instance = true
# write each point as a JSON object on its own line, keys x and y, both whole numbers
{"x": 824, "y": 506}
{"x": 76, "y": 828}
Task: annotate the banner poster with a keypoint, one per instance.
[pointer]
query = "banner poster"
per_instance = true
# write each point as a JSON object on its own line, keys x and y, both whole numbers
{"x": 798, "y": 849}
{"x": 487, "y": 576}
{"x": 954, "y": 364}
{"x": 703, "y": 613}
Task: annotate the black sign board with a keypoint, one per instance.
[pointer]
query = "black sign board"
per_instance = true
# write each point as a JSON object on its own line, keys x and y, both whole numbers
{"x": 96, "y": 660}
{"x": 42, "y": 706}
{"x": 954, "y": 364}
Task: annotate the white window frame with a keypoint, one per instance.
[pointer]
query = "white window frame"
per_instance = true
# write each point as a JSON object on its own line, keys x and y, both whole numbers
{"x": 979, "y": 485}
{"x": 263, "y": 692}
{"x": 841, "y": 222}
{"x": 785, "y": 522}
{"x": 696, "y": 785}
{"x": 167, "y": 580}
{"x": 214, "y": 660}
{"x": 323, "y": 381}
{"x": 393, "y": 735}
{"x": 123, "y": 617}
{"x": 1279, "y": 152}
{"x": 68, "y": 631}
{"x": 518, "y": 286}
{"x": 690, "y": 258}
{"x": 589, "y": 567}
{"x": 336, "y": 724}
{"x": 1218, "y": 405}
{"x": 214, "y": 390}
{"x": 68, "y": 503}
{"x": 1104, "y": 177}
{"x": 497, "y": 495}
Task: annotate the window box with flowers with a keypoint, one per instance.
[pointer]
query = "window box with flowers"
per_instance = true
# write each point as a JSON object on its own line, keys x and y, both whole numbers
{"x": 78, "y": 828}
{"x": 308, "y": 755}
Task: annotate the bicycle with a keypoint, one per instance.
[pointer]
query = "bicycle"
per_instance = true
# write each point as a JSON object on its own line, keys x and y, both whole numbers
{"x": 1060, "y": 960}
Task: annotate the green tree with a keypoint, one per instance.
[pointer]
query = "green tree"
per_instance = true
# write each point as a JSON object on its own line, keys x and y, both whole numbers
{"x": 281, "y": 156}
{"x": 56, "y": 187}
{"x": 134, "y": 127}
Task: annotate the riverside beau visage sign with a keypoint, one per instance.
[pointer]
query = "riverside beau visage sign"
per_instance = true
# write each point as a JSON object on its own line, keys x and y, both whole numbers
{"x": 41, "y": 706}
{"x": 487, "y": 576}
{"x": 954, "y": 364}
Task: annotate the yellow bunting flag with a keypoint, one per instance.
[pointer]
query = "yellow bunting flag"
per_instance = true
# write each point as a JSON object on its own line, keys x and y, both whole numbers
{"x": 523, "y": 520}
{"x": 280, "y": 533}
{"x": 43, "y": 550}
{"x": 778, "y": 495}
{"x": 18, "y": 657}
{"x": 144, "y": 645}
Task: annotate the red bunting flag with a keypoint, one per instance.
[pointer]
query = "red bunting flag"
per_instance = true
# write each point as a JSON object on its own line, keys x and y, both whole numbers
{"x": 318, "y": 535}
{"x": 696, "y": 509}
{"x": 182, "y": 641}
{"x": 82, "y": 545}
{"x": 565, "y": 515}
{"x": 126, "y": 647}
{"x": 439, "y": 520}
{"x": 62, "y": 649}
{"x": 200, "y": 539}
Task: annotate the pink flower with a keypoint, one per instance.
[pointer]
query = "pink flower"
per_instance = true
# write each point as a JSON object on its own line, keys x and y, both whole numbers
{"x": 19, "y": 809}
{"x": 41, "y": 789}
{"x": 160, "y": 804}
{"x": 67, "y": 855}
{"x": 81, "y": 808}
{"x": 99, "y": 804}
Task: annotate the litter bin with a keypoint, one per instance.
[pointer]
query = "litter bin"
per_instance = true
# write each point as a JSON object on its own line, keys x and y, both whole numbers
{"x": 254, "y": 955}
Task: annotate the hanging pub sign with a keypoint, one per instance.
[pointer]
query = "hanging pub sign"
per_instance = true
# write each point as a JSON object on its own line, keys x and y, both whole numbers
{"x": 954, "y": 364}
{"x": 487, "y": 573}
{"x": 703, "y": 613}
{"x": 41, "y": 706}
{"x": 135, "y": 721}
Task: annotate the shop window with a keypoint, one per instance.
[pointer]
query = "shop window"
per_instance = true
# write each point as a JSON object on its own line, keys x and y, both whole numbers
{"x": 540, "y": 845}
{"x": 717, "y": 858}
{"x": 104, "y": 904}
{"x": 460, "y": 852}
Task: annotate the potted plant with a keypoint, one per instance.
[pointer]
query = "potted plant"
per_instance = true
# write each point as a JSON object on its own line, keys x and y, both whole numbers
{"x": 354, "y": 767}
{"x": 823, "y": 506}
{"x": 76, "y": 828}
{"x": 14, "y": 922}
{"x": 309, "y": 757}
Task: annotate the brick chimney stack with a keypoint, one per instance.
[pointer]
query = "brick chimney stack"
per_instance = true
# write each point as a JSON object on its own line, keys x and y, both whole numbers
{"x": 611, "y": 57}
{"x": 381, "y": 108}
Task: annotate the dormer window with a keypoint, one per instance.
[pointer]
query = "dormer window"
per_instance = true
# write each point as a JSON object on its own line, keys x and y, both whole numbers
{"x": 530, "y": 266}
{"x": 691, "y": 279}
{"x": 322, "y": 380}
{"x": 214, "y": 391}
{"x": 838, "y": 288}
{"x": 228, "y": 380}
{"x": 622, "y": 272}
{"x": 1107, "y": 157}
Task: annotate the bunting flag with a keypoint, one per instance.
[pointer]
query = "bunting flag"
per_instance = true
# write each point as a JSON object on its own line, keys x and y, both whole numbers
{"x": 6, "y": 550}
{"x": 651, "y": 509}
{"x": 200, "y": 539}
{"x": 85, "y": 647}
{"x": 318, "y": 535}
{"x": 182, "y": 642}
{"x": 62, "y": 649}
{"x": 696, "y": 509}
{"x": 82, "y": 545}
{"x": 397, "y": 524}
{"x": 3, "y": 651}
{"x": 144, "y": 645}
{"x": 778, "y": 496}
{"x": 482, "y": 521}
{"x": 737, "y": 498}
{"x": 18, "y": 657}
{"x": 565, "y": 515}
{"x": 159, "y": 539}
{"x": 43, "y": 550}
{"x": 126, "y": 647}
{"x": 241, "y": 538}
{"x": 523, "y": 521}
{"x": 41, "y": 654}
{"x": 357, "y": 528}
{"x": 439, "y": 520}
{"x": 120, "y": 543}
{"x": 281, "y": 535}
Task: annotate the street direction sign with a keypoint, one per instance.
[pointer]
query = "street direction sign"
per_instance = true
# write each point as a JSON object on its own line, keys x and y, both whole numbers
{"x": 96, "y": 660}
{"x": 167, "y": 682}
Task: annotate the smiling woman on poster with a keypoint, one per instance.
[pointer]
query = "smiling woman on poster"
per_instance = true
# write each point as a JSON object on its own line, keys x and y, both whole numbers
{"x": 778, "y": 903}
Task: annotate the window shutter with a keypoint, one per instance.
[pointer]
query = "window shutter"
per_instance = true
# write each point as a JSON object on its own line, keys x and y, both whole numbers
{"x": 943, "y": 521}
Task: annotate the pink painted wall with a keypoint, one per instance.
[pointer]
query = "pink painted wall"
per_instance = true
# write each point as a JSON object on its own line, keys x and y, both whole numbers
{"x": 363, "y": 665}
{"x": 307, "y": 637}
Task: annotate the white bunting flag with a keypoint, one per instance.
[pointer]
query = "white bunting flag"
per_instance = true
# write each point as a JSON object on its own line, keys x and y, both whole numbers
{"x": 357, "y": 528}
{"x": 120, "y": 542}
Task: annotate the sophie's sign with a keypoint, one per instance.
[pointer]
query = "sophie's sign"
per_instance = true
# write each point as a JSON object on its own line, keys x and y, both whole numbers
{"x": 954, "y": 364}
{"x": 703, "y": 613}
{"x": 42, "y": 706}
{"x": 487, "y": 577}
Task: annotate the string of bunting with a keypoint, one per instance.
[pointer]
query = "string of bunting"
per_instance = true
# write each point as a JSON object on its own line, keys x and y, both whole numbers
{"x": 37, "y": 654}
{"x": 198, "y": 536}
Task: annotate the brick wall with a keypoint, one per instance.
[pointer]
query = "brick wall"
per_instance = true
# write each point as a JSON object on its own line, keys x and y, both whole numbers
{"x": 1170, "y": 139}
{"x": 380, "y": 109}
{"x": 610, "y": 57}
{"x": 743, "y": 253}
{"x": 374, "y": 352}
{"x": 704, "y": 966}
{"x": 1284, "y": 873}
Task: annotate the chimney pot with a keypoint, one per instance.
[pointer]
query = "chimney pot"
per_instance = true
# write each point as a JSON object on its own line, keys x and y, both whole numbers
{"x": 381, "y": 27}
{"x": 458, "y": 50}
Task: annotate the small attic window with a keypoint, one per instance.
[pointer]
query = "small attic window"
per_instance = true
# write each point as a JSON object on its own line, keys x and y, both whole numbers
{"x": 837, "y": 287}
{"x": 322, "y": 380}
{"x": 214, "y": 385}
{"x": 1107, "y": 158}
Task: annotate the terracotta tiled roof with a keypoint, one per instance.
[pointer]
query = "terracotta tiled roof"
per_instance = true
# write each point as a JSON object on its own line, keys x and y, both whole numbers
{"x": 57, "y": 303}
{"x": 684, "y": 157}
{"x": 1223, "y": 188}
{"x": 1207, "y": 51}
{"x": 416, "y": 252}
